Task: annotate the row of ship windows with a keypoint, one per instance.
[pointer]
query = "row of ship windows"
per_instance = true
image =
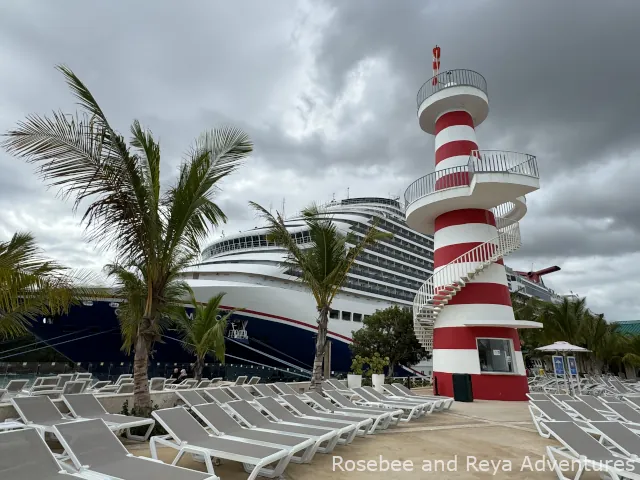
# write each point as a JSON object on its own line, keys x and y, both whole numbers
{"x": 252, "y": 241}
{"x": 398, "y": 242}
{"x": 348, "y": 316}
{"x": 385, "y": 277}
{"x": 391, "y": 265}
{"x": 369, "y": 287}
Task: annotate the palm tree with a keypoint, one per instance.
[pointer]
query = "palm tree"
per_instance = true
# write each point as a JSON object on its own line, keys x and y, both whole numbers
{"x": 131, "y": 285}
{"x": 32, "y": 286}
{"x": 204, "y": 332}
{"x": 322, "y": 267}
{"x": 153, "y": 228}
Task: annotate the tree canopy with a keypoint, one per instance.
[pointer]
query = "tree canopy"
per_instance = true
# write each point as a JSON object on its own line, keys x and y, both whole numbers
{"x": 389, "y": 332}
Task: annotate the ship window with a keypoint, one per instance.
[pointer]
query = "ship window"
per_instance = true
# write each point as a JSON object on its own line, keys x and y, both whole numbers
{"x": 357, "y": 317}
{"x": 346, "y": 315}
{"x": 495, "y": 355}
{"x": 335, "y": 314}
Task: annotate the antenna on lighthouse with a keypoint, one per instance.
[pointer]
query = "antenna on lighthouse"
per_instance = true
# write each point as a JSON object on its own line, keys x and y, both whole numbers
{"x": 436, "y": 64}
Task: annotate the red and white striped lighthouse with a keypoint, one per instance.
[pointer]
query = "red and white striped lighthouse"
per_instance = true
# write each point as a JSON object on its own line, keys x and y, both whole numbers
{"x": 471, "y": 204}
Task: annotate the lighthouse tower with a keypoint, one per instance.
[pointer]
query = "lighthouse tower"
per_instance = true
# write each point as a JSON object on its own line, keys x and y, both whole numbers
{"x": 471, "y": 204}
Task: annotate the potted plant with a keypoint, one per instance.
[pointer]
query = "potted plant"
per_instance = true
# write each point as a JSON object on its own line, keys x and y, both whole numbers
{"x": 354, "y": 379}
{"x": 376, "y": 367}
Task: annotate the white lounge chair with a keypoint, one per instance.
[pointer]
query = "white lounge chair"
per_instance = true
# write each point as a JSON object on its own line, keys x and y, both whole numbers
{"x": 241, "y": 380}
{"x": 95, "y": 450}
{"x": 301, "y": 408}
{"x": 191, "y": 397}
{"x": 348, "y": 406}
{"x": 156, "y": 384}
{"x": 39, "y": 412}
{"x": 411, "y": 411}
{"x": 289, "y": 423}
{"x": 580, "y": 448}
{"x": 546, "y": 410}
{"x": 281, "y": 419}
{"x": 186, "y": 435}
{"x": 15, "y": 387}
{"x": 401, "y": 389}
{"x": 223, "y": 425}
{"x": 254, "y": 381}
{"x": 381, "y": 420}
{"x": 25, "y": 456}
{"x": 86, "y": 406}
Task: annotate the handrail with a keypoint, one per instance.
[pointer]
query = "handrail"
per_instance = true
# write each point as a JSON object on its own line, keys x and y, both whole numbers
{"x": 480, "y": 161}
{"x": 434, "y": 291}
{"x": 451, "y": 78}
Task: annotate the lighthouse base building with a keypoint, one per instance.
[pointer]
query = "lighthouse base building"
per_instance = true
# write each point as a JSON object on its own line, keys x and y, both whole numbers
{"x": 471, "y": 204}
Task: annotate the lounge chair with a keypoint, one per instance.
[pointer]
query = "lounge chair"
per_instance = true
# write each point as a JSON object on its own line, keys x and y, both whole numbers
{"x": 63, "y": 378}
{"x": 626, "y": 413}
{"x": 186, "y": 384}
{"x": 156, "y": 384}
{"x": 301, "y": 408}
{"x": 96, "y": 387}
{"x": 86, "y": 406}
{"x": 186, "y": 435}
{"x": 204, "y": 384}
{"x": 125, "y": 389}
{"x": 254, "y": 380}
{"x": 536, "y": 396}
{"x": 546, "y": 410}
{"x": 428, "y": 406}
{"x": 190, "y": 397}
{"x": 2, "y": 393}
{"x": 83, "y": 376}
{"x": 633, "y": 401}
{"x": 122, "y": 380}
{"x": 381, "y": 420}
{"x": 92, "y": 447}
{"x": 594, "y": 403}
{"x": 241, "y": 393}
{"x": 411, "y": 411}
{"x": 14, "y": 387}
{"x": 240, "y": 380}
{"x": 283, "y": 388}
{"x": 218, "y": 395}
{"x": 25, "y": 456}
{"x": 223, "y": 425}
{"x": 401, "y": 389}
{"x": 215, "y": 380}
{"x": 397, "y": 395}
{"x": 348, "y": 406}
{"x": 617, "y": 436}
{"x": 586, "y": 413}
{"x": 580, "y": 448}
{"x": 560, "y": 398}
{"x": 39, "y": 412}
{"x": 336, "y": 384}
{"x": 289, "y": 423}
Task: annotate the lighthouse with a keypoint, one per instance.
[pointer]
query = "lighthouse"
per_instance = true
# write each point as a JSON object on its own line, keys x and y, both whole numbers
{"x": 471, "y": 204}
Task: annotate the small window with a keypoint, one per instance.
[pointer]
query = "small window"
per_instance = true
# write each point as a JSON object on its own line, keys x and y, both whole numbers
{"x": 495, "y": 355}
{"x": 335, "y": 314}
{"x": 346, "y": 315}
{"x": 357, "y": 317}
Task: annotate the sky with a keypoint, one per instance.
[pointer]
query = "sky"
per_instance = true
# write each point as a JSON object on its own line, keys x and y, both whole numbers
{"x": 326, "y": 90}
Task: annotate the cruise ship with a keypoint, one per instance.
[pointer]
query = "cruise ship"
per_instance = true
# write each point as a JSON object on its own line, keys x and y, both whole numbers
{"x": 275, "y": 319}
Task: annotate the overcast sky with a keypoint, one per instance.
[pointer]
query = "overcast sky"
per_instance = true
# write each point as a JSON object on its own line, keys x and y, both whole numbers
{"x": 327, "y": 89}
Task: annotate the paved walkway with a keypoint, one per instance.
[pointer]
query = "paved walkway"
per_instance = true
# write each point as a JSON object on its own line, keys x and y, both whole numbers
{"x": 478, "y": 440}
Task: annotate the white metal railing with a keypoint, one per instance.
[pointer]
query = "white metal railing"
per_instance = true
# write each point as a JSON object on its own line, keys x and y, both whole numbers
{"x": 444, "y": 284}
{"x": 480, "y": 161}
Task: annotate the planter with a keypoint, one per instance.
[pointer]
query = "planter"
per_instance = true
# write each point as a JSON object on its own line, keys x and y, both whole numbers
{"x": 354, "y": 381}
{"x": 377, "y": 379}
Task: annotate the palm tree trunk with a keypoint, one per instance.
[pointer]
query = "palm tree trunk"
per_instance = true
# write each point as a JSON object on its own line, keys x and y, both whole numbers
{"x": 141, "y": 395}
{"x": 316, "y": 379}
{"x": 197, "y": 368}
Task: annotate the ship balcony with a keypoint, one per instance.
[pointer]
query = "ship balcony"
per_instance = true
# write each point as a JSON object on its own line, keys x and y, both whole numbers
{"x": 492, "y": 180}
{"x": 452, "y": 90}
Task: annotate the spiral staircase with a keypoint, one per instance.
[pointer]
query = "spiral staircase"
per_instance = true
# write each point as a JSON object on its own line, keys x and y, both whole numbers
{"x": 444, "y": 284}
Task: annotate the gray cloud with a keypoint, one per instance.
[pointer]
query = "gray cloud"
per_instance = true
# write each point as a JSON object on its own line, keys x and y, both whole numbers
{"x": 327, "y": 91}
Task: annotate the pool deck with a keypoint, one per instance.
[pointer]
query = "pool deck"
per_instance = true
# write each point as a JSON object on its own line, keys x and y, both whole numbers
{"x": 463, "y": 436}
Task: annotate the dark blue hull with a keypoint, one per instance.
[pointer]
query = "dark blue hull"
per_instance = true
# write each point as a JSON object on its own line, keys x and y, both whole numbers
{"x": 91, "y": 335}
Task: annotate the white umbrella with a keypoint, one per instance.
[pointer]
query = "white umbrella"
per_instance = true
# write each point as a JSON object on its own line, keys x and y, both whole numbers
{"x": 562, "y": 347}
